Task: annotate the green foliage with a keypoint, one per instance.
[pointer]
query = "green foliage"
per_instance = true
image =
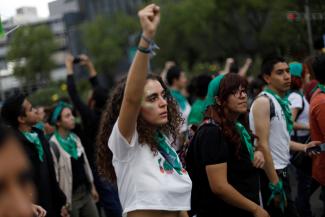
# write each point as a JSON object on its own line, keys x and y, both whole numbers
{"x": 214, "y": 30}
{"x": 31, "y": 49}
{"x": 54, "y": 91}
{"x": 201, "y": 33}
{"x": 106, "y": 39}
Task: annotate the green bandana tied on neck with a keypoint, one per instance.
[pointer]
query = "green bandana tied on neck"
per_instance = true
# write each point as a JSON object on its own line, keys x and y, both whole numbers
{"x": 69, "y": 144}
{"x": 181, "y": 100}
{"x": 33, "y": 138}
{"x": 284, "y": 103}
{"x": 213, "y": 90}
{"x": 246, "y": 138}
{"x": 321, "y": 87}
{"x": 168, "y": 153}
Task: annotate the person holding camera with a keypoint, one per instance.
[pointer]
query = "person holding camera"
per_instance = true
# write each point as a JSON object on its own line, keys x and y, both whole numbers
{"x": 90, "y": 114}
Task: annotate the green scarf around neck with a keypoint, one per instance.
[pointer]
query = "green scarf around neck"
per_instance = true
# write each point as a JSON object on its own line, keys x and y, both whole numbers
{"x": 69, "y": 144}
{"x": 285, "y": 105}
{"x": 321, "y": 87}
{"x": 33, "y": 138}
{"x": 246, "y": 138}
{"x": 168, "y": 153}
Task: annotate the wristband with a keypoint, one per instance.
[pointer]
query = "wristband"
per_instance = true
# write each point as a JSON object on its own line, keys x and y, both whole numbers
{"x": 144, "y": 50}
{"x": 152, "y": 46}
{"x": 149, "y": 41}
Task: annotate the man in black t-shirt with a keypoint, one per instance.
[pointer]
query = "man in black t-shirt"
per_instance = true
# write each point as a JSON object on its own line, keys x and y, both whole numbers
{"x": 18, "y": 112}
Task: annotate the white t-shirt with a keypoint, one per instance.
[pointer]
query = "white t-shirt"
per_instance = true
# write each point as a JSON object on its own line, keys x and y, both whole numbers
{"x": 279, "y": 137}
{"x": 143, "y": 183}
{"x": 185, "y": 113}
{"x": 296, "y": 101}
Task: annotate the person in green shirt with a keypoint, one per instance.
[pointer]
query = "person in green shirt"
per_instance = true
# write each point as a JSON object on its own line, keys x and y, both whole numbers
{"x": 201, "y": 84}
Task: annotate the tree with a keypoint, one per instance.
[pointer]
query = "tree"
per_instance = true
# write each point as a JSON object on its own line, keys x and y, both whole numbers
{"x": 192, "y": 33}
{"x": 31, "y": 48}
{"x": 106, "y": 39}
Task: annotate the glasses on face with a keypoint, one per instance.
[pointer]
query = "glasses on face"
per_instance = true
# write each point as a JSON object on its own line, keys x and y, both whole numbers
{"x": 240, "y": 92}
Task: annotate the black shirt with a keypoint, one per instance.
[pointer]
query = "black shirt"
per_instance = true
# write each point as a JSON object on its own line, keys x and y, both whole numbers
{"x": 48, "y": 193}
{"x": 79, "y": 176}
{"x": 90, "y": 118}
{"x": 209, "y": 147}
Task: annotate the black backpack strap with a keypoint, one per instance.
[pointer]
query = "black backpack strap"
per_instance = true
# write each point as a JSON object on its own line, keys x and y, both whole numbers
{"x": 272, "y": 108}
{"x": 183, "y": 152}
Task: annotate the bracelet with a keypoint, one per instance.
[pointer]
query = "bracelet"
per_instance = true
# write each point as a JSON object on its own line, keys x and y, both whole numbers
{"x": 152, "y": 46}
{"x": 149, "y": 41}
{"x": 144, "y": 50}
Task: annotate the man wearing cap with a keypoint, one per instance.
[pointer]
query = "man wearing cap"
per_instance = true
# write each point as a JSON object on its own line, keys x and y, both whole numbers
{"x": 19, "y": 113}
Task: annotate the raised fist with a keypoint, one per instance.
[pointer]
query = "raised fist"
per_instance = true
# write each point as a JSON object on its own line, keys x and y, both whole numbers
{"x": 149, "y": 20}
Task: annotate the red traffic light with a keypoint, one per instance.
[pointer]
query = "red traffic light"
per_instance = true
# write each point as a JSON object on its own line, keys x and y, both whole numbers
{"x": 292, "y": 16}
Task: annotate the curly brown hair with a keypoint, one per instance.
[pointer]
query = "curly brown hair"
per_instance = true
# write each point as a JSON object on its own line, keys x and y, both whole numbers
{"x": 229, "y": 85}
{"x": 145, "y": 129}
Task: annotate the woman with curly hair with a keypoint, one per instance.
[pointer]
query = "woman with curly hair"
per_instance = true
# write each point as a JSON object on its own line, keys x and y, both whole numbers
{"x": 221, "y": 159}
{"x": 141, "y": 122}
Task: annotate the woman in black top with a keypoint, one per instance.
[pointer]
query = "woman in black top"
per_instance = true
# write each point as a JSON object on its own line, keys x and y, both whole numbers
{"x": 220, "y": 158}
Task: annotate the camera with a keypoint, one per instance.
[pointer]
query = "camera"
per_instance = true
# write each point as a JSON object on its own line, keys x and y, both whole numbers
{"x": 76, "y": 60}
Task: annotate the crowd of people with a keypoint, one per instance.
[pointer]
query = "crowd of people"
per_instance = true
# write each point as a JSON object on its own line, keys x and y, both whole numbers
{"x": 149, "y": 148}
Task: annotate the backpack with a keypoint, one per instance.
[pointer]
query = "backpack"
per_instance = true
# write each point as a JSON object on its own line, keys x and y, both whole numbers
{"x": 191, "y": 132}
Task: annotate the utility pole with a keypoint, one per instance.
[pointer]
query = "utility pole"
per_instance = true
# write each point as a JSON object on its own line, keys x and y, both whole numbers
{"x": 309, "y": 31}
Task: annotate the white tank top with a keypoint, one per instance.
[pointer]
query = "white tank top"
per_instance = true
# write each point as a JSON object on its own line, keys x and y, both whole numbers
{"x": 279, "y": 137}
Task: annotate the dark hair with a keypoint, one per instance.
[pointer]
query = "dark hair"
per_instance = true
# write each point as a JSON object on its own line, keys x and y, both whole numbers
{"x": 13, "y": 108}
{"x": 296, "y": 83}
{"x": 99, "y": 95}
{"x": 229, "y": 84}
{"x": 268, "y": 64}
{"x": 145, "y": 130}
{"x": 201, "y": 84}
{"x": 172, "y": 74}
{"x": 309, "y": 89}
{"x": 308, "y": 63}
{"x": 255, "y": 87}
{"x": 319, "y": 68}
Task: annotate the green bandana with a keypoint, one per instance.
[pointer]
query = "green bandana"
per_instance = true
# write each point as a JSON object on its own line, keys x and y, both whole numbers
{"x": 284, "y": 103}
{"x": 69, "y": 144}
{"x": 246, "y": 138}
{"x": 33, "y": 138}
{"x": 278, "y": 190}
{"x": 181, "y": 100}
{"x": 168, "y": 153}
{"x": 296, "y": 69}
{"x": 213, "y": 90}
{"x": 57, "y": 111}
{"x": 321, "y": 87}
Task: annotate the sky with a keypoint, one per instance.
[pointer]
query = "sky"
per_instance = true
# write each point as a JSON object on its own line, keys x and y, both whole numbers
{"x": 8, "y": 7}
